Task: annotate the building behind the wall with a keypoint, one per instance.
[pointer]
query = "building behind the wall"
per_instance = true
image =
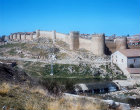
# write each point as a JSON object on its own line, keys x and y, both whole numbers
{"x": 116, "y": 44}
{"x": 128, "y": 60}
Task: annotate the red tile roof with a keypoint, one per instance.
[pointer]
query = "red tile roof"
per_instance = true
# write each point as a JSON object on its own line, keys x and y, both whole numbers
{"x": 130, "y": 52}
{"x": 133, "y": 70}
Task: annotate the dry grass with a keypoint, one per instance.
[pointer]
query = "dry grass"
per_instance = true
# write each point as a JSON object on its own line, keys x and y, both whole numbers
{"x": 33, "y": 103}
{"x": 26, "y": 98}
{"x": 39, "y": 89}
{"x": 4, "y": 88}
{"x": 65, "y": 104}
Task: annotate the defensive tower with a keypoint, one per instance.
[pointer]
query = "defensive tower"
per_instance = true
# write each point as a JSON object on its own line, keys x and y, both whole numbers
{"x": 121, "y": 43}
{"x": 37, "y": 33}
{"x": 98, "y": 44}
{"x": 74, "y": 40}
{"x": 18, "y": 36}
{"x": 54, "y": 35}
{"x": 14, "y": 36}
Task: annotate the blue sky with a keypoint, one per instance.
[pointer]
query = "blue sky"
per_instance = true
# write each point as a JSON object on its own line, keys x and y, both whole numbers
{"x": 119, "y": 17}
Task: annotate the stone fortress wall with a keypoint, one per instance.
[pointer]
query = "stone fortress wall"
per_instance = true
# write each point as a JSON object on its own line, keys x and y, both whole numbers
{"x": 97, "y": 44}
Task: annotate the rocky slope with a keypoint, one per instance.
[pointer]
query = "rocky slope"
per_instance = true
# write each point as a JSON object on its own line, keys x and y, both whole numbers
{"x": 10, "y": 74}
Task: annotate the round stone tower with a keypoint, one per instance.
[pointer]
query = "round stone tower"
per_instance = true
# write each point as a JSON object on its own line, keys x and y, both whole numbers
{"x": 11, "y": 37}
{"x": 121, "y": 43}
{"x": 15, "y": 36}
{"x": 18, "y": 36}
{"x": 98, "y": 44}
{"x": 24, "y": 36}
{"x": 74, "y": 40}
{"x": 37, "y": 33}
{"x": 31, "y": 35}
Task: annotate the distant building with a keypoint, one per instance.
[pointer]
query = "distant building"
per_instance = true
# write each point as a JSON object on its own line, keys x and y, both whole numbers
{"x": 95, "y": 88}
{"x": 128, "y": 60}
{"x": 86, "y": 36}
{"x": 136, "y": 36}
{"x": 133, "y": 42}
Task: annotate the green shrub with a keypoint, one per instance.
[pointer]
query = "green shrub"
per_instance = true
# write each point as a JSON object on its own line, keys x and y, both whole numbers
{"x": 12, "y": 52}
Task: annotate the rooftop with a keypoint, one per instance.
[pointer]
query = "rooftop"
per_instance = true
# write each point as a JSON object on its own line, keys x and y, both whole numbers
{"x": 134, "y": 70}
{"x": 97, "y": 85}
{"x": 131, "y": 52}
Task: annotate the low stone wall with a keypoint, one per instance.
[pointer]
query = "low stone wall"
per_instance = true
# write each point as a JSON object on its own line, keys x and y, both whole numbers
{"x": 110, "y": 103}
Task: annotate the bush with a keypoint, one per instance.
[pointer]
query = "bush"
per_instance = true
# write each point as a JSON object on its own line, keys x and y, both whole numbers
{"x": 12, "y": 52}
{"x": 4, "y": 88}
{"x": 52, "y": 86}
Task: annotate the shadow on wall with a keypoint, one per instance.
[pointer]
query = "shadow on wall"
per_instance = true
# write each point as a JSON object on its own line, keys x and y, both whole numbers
{"x": 107, "y": 51}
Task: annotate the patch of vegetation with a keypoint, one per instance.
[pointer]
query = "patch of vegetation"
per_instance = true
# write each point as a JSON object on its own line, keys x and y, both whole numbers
{"x": 1, "y": 53}
{"x": 12, "y": 51}
{"x": 120, "y": 77}
{"x": 137, "y": 85}
{"x": 62, "y": 44}
{"x": 83, "y": 50}
{"x": 34, "y": 69}
{"x": 117, "y": 67}
{"x": 67, "y": 70}
{"x": 22, "y": 55}
{"x": 13, "y": 45}
{"x": 43, "y": 54}
{"x": 130, "y": 94}
{"x": 102, "y": 66}
{"x": 4, "y": 89}
{"x": 34, "y": 49}
{"x": 112, "y": 75}
{"x": 27, "y": 63}
{"x": 22, "y": 99}
{"x": 107, "y": 68}
{"x": 61, "y": 55}
{"x": 22, "y": 45}
{"x": 60, "y": 70}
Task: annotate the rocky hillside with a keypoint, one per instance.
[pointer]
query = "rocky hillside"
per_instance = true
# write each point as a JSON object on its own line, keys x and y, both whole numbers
{"x": 10, "y": 74}
{"x": 43, "y": 48}
{"x": 16, "y": 94}
{"x": 35, "y": 58}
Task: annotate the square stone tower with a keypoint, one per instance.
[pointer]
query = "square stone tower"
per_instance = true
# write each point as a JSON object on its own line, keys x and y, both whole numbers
{"x": 121, "y": 43}
{"x": 37, "y": 33}
{"x": 54, "y": 36}
{"x": 74, "y": 40}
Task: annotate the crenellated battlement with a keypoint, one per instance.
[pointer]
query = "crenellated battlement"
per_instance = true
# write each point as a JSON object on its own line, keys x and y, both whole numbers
{"x": 96, "y": 45}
